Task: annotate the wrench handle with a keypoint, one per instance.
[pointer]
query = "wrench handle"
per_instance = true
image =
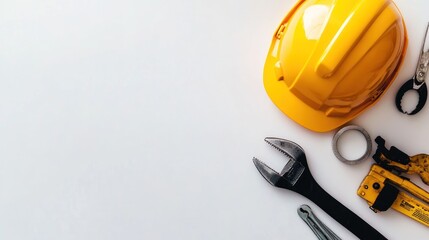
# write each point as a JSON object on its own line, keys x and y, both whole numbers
{"x": 341, "y": 214}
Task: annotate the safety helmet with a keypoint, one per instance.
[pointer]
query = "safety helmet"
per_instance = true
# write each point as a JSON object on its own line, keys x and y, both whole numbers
{"x": 332, "y": 59}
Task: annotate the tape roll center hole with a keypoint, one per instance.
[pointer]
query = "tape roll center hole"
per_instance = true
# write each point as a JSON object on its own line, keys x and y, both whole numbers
{"x": 352, "y": 145}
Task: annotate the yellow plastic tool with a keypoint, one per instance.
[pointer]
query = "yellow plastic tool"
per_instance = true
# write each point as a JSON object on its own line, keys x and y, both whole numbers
{"x": 418, "y": 164}
{"x": 382, "y": 190}
{"x": 399, "y": 162}
{"x": 330, "y": 60}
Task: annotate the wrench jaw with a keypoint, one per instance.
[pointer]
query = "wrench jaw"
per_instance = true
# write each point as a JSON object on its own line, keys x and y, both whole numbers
{"x": 293, "y": 170}
{"x": 268, "y": 173}
{"x": 296, "y": 176}
{"x": 288, "y": 148}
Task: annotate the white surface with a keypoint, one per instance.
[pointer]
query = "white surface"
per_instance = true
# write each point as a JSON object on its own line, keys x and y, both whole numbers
{"x": 139, "y": 120}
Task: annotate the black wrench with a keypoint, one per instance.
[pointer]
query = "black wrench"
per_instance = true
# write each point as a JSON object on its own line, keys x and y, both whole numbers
{"x": 296, "y": 176}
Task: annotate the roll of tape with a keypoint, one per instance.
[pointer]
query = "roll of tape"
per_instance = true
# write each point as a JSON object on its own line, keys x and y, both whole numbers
{"x": 340, "y": 133}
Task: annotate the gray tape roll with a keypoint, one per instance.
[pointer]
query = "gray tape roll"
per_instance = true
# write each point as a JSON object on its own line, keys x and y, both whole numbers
{"x": 341, "y": 132}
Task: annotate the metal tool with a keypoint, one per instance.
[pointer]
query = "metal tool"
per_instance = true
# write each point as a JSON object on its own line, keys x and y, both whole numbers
{"x": 417, "y": 82}
{"x": 296, "y": 176}
{"x": 382, "y": 190}
{"x": 399, "y": 162}
{"x": 318, "y": 227}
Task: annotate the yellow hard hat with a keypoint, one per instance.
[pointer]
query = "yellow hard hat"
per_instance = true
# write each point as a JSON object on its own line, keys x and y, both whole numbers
{"x": 331, "y": 59}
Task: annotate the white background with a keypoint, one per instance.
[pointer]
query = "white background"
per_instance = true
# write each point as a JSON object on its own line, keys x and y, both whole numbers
{"x": 139, "y": 119}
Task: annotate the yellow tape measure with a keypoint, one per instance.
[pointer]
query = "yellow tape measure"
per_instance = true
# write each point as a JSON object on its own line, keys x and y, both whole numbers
{"x": 381, "y": 190}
